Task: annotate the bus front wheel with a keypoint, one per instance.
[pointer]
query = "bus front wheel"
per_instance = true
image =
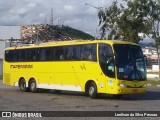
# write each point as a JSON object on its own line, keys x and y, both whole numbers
{"x": 22, "y": 85}
{"x": 92, "y": 90}
{"x": 33, "y": 86}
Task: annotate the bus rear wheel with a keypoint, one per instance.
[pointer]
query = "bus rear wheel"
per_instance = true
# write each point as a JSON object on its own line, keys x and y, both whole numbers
{"x": 33, "y": 86}
{"x": 92, "y": 90}
{"x": 22, "y": 85}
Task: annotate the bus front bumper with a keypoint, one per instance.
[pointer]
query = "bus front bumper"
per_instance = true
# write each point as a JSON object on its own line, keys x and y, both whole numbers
{"x": 121, "y": 90}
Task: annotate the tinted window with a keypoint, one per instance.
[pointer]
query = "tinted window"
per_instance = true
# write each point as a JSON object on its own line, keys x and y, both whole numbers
{"x": 45, "y": 54}
{"x": 76, "y": 52}
{"x": 80, "y": 52}
{"x": 89, "y": 52}
{"x": 33, "y": 54}
{"x": 69, "y": 52}
{"x": 11, "y": 55}
{"x": 106, "y": 60}
{"x": 22, "y": 55}
{"x": 58, "y": 53}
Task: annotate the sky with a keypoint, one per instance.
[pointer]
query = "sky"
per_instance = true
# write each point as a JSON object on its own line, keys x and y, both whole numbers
{"x": 73, "y": 13}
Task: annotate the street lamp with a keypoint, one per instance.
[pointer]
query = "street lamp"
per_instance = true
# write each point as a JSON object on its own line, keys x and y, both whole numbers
{"x": 97, "y": 8}
{"x": 92, "y": 6}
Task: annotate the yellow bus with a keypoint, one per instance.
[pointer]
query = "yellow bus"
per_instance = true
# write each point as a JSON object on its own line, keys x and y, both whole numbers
{"x": 94, "y": 67}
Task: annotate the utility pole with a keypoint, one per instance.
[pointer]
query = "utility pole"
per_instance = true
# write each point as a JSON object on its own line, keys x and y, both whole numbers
{"x": 51, "y": 19}
{"x": 45, "y": 20}
{"x": 97, "y": 8}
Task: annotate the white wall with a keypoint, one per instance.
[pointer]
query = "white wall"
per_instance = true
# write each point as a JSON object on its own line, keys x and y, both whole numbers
{"x": 10, "y": 32}
{"x": 1, "y": 67}
{"x": 3, "y": 45}
{"x": 7, "y": 32}
{"x": 155, "y": 68}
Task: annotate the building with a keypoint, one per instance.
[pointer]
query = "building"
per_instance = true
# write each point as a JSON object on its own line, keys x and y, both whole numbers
{"x": 7, "y": 35}
{"x": 44, "y": 33}
{"x": 152, "y": 58}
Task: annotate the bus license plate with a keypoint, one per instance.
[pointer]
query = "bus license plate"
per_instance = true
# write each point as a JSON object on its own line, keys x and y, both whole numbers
{"x": 135, "y": 90}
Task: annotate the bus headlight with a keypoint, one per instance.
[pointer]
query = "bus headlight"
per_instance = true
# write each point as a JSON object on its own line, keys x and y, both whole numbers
{"x": 144, "y": 85}
{"x": 122, "y": 85}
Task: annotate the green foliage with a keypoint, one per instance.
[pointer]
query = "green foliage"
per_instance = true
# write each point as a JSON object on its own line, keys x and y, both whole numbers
{"x": 126, "y": 21}
{"x": 153, "y": 82}
{"x": 73, "y": 33}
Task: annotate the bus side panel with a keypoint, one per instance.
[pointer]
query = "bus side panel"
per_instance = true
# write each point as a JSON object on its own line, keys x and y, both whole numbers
{"x": 93, "y": 72}
{"x": 66, "y": 77}
{"x": 46, "y": 72}
{"x": 6, "y": 74}
{"x": 14, "y": 71}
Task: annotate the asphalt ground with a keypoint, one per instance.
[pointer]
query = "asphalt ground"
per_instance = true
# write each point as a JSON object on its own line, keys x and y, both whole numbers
{"x": 12, "y": 99}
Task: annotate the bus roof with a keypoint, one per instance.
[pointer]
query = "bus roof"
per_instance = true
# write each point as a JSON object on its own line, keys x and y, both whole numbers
{"x": 73, "y": 42}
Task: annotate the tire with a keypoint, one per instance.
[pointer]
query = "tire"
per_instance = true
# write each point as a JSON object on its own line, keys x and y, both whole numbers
{"x": 92, "y": 90}
{"x": 22, "y": 85}
{"x": 33, "y": 86}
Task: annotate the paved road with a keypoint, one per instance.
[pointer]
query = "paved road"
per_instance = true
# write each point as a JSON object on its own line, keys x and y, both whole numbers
{"x": 11, "y": 99}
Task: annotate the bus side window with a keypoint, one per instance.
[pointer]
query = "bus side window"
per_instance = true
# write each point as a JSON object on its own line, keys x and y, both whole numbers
{"x": 65, "y": 52}
{"x": 11, "y": 55}
{"x": 42, "y": 54}
{"x": 32, "y": 55}
{"x": 22, "y": 55}
{"x": 77, "y": 52}
{"x": 89, "y": 52}
{"x": 58, "y": 54}
{"x": 69, "y": 53}
{"x": 45, "y": 54}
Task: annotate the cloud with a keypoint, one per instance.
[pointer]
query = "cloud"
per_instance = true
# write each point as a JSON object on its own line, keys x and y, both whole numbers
{"x": 68, "y": 7}
{"x": 22, "y": 11}
{"x": 71, "y": 12}
{"x": 32, "y": 5}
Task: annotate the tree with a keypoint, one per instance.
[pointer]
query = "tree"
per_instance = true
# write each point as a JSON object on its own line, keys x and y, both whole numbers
{"x": 126, "y": 21}
{"x": 155, "y": 20}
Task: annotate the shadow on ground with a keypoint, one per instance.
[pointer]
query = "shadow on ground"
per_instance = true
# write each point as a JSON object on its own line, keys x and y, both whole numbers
{"x": 149, "y": 95}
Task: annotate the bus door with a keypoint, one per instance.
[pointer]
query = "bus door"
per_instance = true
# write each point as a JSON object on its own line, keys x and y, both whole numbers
{"x": 106, "y": 62}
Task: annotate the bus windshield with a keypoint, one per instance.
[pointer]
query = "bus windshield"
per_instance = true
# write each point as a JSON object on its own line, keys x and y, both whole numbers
{"x": 130, "y": 62}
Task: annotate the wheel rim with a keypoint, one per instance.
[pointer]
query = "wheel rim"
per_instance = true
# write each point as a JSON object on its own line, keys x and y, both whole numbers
{"x": 22, "y": 85}
{"x": 33, "y": 86}
{"x": 91, "y": 90}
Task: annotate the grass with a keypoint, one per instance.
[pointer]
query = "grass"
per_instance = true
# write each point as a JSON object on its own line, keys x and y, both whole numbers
{"x": 153, "y": 82}
{"x": 152, "y": 72}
